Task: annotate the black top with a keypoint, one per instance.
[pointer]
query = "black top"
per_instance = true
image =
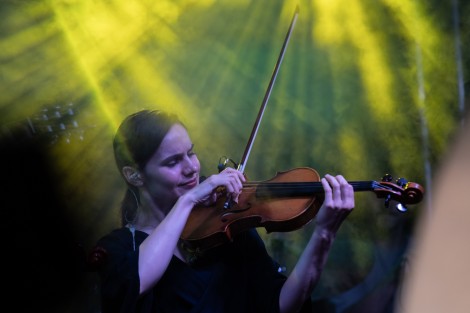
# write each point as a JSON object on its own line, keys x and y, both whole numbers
{"x": 236, "y": 277}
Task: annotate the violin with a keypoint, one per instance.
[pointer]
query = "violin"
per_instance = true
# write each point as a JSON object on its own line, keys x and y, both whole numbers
{"x": 284, "y": 203}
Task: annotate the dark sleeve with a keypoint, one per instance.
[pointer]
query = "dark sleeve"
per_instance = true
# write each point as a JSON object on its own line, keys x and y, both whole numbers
{"x": 266, "y": 278}
{"x": 120, "y": 284}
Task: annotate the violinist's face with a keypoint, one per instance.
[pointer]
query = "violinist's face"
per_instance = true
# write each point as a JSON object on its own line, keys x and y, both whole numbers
{"x": 174, "y": 167}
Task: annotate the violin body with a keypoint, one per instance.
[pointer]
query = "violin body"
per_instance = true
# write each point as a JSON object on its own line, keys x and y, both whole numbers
{"x": 257, "y": 206}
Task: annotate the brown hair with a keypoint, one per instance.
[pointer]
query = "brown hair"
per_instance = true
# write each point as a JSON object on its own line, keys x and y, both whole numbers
{"x": 136, "y": 140}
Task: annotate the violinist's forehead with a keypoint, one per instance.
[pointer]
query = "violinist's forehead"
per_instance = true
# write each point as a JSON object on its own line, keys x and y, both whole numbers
{"x": 175, "y": 141}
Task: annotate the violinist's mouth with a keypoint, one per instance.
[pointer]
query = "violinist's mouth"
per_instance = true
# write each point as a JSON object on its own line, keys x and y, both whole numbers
{"x": 190, "y": 184}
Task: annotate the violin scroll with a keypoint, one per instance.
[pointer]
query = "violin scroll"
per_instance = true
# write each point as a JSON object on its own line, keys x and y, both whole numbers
{"x": 402, "y": 191}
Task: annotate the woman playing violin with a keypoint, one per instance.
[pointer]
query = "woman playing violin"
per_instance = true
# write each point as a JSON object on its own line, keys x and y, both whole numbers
{"x": 142, "y": 265}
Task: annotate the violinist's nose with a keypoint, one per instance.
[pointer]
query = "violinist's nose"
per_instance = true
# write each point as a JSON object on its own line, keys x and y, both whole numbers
{"x": 191, "y": 166}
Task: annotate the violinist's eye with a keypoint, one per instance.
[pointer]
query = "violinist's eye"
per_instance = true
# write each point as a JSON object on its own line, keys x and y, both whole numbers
{"x": 171, "y": 163}
{"x": 191, "y": 151}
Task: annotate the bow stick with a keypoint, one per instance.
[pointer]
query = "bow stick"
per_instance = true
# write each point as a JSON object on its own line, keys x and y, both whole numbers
{"x": 242, "y": 164}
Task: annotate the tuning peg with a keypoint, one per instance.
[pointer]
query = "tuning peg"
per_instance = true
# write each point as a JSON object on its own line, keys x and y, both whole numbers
{"x": 387, "y": 201}
{"x": 387, "y": 178}
{"x": 402, "y": 182}
{"x": 400, "y": 207}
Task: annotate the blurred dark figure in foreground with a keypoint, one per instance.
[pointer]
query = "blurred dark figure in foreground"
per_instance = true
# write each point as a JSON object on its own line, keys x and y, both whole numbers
{"x": 42, "y": 260}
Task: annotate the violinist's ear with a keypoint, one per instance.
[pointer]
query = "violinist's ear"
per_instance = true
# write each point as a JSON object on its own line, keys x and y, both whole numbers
{"x": 132, "y": 176}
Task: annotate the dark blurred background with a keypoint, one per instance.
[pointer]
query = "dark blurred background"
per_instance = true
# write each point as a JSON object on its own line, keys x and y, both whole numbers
{"x": 366, "y": 88}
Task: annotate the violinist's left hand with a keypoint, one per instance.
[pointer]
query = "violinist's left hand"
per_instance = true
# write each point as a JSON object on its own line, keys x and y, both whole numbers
{"x": 338, "y": 202}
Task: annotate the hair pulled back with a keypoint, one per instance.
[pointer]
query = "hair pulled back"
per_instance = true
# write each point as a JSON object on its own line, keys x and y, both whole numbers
{"x": 136, "y": 140}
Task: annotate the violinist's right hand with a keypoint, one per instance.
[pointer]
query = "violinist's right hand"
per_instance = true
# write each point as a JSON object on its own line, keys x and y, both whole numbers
{"x": 227, "y": 183}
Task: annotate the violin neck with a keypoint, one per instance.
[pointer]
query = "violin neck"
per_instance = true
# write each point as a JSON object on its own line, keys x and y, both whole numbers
{"x": 300, "y": 189}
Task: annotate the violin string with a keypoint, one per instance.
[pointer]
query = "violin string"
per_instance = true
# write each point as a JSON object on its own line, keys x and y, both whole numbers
{"x": 302, "y": 185}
